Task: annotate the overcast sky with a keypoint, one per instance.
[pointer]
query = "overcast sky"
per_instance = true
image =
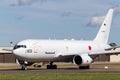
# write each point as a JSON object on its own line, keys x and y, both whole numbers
{"x": 55, "y": 19}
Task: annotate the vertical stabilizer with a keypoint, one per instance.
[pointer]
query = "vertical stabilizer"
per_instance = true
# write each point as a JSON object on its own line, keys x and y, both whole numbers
{"x": 103, "y": 33}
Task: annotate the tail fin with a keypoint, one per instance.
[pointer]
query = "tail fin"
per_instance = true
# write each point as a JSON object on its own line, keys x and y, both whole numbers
{"x": 103, "y": 33}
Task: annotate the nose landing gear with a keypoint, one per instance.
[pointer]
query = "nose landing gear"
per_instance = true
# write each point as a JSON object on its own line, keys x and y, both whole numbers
{"x": 23, "y": 67}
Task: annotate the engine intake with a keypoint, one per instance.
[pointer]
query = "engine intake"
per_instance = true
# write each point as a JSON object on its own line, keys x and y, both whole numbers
{"x": 83, "y": 59}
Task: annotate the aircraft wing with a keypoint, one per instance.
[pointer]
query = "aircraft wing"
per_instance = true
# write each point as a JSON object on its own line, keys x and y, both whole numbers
{"x": 85, "y": 56}
{"x": 113, "y": 48}
{"x": 110, "y": 52}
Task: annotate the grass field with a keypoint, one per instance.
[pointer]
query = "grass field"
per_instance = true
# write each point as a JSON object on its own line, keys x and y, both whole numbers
{"x": 61, "y": 76}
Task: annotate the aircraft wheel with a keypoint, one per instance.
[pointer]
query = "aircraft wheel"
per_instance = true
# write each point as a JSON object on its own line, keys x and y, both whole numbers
{"x": 84, "y": 67}
{"x": 23, "y": 67}
{"x": 51, "y": 66}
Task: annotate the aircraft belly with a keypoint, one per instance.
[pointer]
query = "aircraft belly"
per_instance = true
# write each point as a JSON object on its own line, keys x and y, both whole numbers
{"x": 45, "y": 59}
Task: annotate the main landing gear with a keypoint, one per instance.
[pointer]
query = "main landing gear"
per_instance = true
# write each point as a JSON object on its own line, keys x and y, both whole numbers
{"x": 51, "y": 66}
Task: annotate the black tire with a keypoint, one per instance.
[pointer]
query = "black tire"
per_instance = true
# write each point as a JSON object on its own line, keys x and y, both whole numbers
{"x": 48, "y": 67}
{"x": 84, "y": 67}
{"x": 54, "y": 66}
{"x": 51, "y": 66}
{"x": 23, "y": 67}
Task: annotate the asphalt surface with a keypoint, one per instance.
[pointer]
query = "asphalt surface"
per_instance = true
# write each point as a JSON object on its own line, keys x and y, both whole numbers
{"x": 13, "y": 68}
{"x": 54, "y": 71}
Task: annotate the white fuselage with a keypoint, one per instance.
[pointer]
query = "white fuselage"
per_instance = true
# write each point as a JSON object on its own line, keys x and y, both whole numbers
{"x": 80, "y": 52}
{"x": 49, "y": 50}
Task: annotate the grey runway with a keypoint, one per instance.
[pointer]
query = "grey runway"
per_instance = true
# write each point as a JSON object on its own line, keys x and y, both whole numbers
{"x": 56, "y": 70}
{"x": 13, "y": 68}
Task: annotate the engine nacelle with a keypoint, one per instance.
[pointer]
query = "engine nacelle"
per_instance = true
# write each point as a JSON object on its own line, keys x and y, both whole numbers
{"x": 82, "y": 59}
{"x": 20, "y": 62}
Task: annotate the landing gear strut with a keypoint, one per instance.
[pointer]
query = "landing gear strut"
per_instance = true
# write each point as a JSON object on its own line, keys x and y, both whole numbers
{"x": 51, "y": 66}
{"x": 23, "y": 67}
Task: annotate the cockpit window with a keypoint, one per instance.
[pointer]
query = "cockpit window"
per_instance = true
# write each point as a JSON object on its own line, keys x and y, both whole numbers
{"x": 19, "y": 46}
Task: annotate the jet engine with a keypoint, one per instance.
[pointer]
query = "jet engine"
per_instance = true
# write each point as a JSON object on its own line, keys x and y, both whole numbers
{"x": 83, "y": 59}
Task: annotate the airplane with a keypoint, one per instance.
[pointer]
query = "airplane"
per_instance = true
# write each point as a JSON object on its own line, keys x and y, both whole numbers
{"x": 80, "y": 52}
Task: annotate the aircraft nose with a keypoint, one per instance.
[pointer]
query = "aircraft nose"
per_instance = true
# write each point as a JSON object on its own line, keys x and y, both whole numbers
{"x": 19, "y": 52}
{"x": 16, "y": 52}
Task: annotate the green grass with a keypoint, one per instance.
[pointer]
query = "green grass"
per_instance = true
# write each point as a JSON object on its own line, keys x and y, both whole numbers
{"x": 61, "y": 76}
